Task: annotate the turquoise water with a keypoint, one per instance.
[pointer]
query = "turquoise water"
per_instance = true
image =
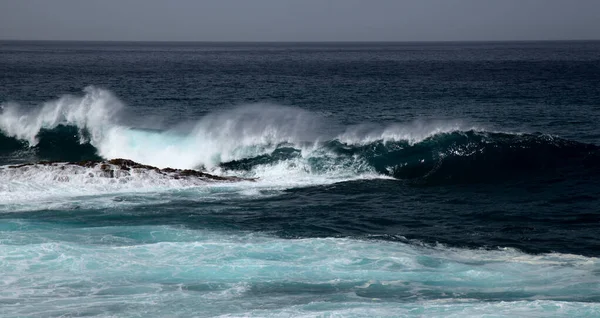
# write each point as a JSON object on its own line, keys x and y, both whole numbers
{"x": 59, "y": 269}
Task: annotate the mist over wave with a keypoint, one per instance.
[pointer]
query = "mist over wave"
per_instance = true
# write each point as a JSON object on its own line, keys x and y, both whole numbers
{"x": 97, "y": 118}
{"x": 93, "y": 114}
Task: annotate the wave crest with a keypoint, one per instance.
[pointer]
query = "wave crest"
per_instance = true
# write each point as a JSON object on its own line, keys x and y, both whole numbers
{"x": 92, "y": 114}
{"x": 455, "y": 157}
{"x": 276, "y": 141}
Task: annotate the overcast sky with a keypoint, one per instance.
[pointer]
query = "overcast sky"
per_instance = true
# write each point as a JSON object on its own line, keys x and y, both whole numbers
{"x": 299, "y": 20}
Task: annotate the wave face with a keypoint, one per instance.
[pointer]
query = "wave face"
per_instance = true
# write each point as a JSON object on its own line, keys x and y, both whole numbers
{"x": 461, "y": 156}
{"x": 268, "y": 141}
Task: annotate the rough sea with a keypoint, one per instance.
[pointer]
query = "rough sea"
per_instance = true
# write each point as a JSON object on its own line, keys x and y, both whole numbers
{"x": 389, "y": 179}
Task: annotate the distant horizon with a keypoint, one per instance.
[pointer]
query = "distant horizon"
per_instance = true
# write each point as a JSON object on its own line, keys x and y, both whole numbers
{"x": 313, "y": 41}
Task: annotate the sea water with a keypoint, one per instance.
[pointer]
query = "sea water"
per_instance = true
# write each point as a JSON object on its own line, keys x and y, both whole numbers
{"x": 390, "y": 179}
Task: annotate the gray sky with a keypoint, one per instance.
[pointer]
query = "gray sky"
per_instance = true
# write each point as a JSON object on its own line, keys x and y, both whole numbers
{"x": 299, "y": 20}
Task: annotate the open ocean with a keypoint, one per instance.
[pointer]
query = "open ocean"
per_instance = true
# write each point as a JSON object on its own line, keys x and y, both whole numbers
{"x": 392, "y": 179}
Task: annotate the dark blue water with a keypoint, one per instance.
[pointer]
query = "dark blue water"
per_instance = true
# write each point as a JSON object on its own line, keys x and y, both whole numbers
{"x": 393, "y": 179}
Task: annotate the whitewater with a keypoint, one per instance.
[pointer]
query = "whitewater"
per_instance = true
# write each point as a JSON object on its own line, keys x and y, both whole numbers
{"x": 99, "y": 119}
{"x": 241, "y": 132}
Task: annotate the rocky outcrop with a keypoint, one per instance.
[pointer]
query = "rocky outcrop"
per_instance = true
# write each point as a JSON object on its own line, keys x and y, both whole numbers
{"x": 120, "y": 168}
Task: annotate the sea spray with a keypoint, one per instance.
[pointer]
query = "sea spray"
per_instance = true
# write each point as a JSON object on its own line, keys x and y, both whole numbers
{"x": 92, "y": 114}
{"x": 242, "y": 132}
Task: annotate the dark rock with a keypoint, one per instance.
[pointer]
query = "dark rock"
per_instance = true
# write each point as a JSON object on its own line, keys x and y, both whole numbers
{"x": 122, "y": 167}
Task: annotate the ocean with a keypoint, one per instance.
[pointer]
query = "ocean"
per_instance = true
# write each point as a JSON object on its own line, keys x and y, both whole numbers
{"x": 338, "y": 179}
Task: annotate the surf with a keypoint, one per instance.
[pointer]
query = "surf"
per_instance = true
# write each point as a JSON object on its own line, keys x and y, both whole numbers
{"x": 67, "y": 270}
{"x": 276, "y": 143}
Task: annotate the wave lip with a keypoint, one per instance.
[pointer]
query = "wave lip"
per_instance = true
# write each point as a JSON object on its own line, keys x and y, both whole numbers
{"x": 448, "y": 157}
{"x": 472, "y": 156}
{"x": 92, "y": 114}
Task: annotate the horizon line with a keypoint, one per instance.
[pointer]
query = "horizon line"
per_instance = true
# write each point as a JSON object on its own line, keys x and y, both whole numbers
{"x": 302, "y": 41}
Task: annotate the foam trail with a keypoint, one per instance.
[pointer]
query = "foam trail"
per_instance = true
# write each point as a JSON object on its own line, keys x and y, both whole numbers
{"x": 62, "y": 186}
{"x": 119, "y": 270}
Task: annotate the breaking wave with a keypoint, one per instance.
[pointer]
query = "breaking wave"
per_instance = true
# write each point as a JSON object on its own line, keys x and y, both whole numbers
{"x": 267, "y": 140}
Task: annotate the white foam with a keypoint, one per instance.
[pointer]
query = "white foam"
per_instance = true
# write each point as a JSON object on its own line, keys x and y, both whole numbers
{"x": 438, "y": 308}
{"x": 413, "y": 132}
{"x": 218, "y": 137}
{"x": 41, "y": 186}
{"x": 243, "y": 132}
{"x": 95, "y": 112}
{"x": 63, "y": 185}
{"x": 74, "y": 270}
{"x": 234, "y": 134}
{"x": 237, "y": 133}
